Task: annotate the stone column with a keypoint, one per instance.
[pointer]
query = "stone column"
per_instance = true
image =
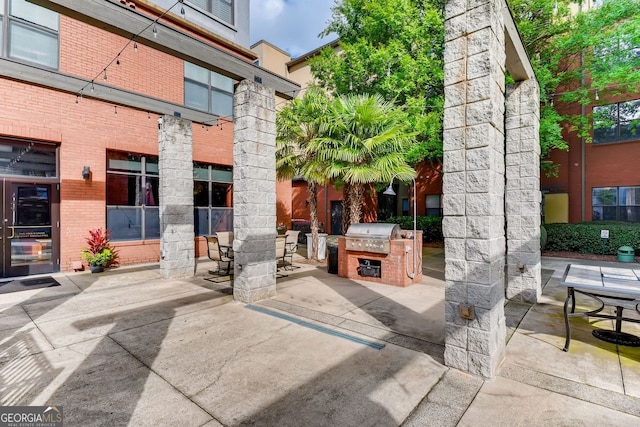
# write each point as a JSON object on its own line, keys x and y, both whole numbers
{"x": 254, "y": 192}
{"x": 473, "y": 186}
{"x": 523, "y": 191}
{"x": 176, "y": 198}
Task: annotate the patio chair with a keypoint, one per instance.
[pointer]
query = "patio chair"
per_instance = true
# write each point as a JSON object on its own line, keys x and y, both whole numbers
{"x": 225, "y": 238}
{"x": 221, "y": 254}
{"x": 281, "y": 250}
{"x": 292, "y": 246}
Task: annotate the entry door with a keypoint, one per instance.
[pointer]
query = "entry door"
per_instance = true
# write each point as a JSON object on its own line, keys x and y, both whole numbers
{"x": 29, "y": 229}
{"x": 336, "y": 217}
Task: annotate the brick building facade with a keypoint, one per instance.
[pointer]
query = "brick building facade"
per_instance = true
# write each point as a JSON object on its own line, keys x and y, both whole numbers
{"x": 83, "y": 88}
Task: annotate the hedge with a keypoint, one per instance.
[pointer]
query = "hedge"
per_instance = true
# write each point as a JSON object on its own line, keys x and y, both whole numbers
{"x": 431, "y": 226}
{"x": 585, "y": 237}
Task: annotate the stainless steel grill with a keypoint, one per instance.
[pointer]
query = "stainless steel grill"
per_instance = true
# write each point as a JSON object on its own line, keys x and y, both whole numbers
{"x": 372, "y": 237}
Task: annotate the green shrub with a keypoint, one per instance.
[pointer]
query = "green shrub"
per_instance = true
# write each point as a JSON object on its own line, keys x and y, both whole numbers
{"x": 543, "y": 237}
{"x": 431, "y": 226}
{"x": 585, "y": 237}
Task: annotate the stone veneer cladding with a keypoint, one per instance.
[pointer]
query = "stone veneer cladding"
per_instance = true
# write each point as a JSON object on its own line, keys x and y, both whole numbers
{"x": 254, "y": 192}
{"x": 176, "y": 198}
{"x": 474, "y": 183}
{"x": 523, "y": 191}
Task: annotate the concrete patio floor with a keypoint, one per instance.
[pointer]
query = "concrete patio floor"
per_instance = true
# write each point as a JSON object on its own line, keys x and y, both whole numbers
{"x": 126, "y": 347}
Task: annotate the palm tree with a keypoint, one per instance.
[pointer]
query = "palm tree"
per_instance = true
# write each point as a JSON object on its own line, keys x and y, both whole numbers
{"x": 365, "y": 144}
{"x": 297, "y": 124}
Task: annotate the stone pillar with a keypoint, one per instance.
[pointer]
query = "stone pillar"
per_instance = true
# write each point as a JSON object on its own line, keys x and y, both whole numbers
{"x": 523, "y": 191}
{"x": 176, "y": 198}
{"x": 254, "y": 192}
{"x": 473, "y": 185}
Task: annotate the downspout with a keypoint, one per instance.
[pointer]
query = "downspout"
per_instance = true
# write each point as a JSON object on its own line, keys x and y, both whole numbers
{"x": 583, "y": 208}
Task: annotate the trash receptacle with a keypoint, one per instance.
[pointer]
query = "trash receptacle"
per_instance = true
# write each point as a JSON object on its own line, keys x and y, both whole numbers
{"x": 322, "y": 245}
{"x": 332, "y": 260}
{"x": 626, "y": 254}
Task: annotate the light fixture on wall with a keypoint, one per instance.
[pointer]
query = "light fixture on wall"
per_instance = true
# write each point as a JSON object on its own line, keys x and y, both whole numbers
{"x": 389, "y": 192}
{"x": 86, "y": 173}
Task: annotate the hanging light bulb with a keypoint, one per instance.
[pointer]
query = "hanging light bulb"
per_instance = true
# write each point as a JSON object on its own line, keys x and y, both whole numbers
{"x": 118, "y": 60}
{"x": 182, "y": 12}
{"x": 77, "y": 97}
{"x": 135, "y": 47}
{"x": 597, "y": 97}
{"x": 115, "y": 110}
{"x": 92, "y": 87}
{"x": 148, "y": 116}
{"x": 105, "y": 75}
{"x": 155, "y": 31}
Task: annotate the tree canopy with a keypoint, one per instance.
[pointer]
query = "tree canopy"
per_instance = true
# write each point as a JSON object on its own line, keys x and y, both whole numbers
{"x": 393, "y": 49}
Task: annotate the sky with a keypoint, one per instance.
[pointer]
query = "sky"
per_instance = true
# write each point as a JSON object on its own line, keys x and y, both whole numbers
{"x": 291, "y": 25}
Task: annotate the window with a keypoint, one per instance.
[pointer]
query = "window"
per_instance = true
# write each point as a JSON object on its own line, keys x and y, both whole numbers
{"x": 29, "y": 33}
{"x": 132, "y": 196}
{"x": 616, "y": 204}
{"x": 433, "y": 206}
{"x": 212, "y": 198}
{"x": 617, "y": 122}
{"x": 27, "y": 159}
{"x": 222, "y": 9}
{"x": 207, "y": 90}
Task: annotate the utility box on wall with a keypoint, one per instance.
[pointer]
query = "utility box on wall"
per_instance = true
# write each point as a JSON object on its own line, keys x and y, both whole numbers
{"x": 556, "y": 208}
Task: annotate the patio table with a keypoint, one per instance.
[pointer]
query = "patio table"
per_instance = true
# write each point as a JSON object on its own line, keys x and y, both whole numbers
{"x": 609, "y": 286}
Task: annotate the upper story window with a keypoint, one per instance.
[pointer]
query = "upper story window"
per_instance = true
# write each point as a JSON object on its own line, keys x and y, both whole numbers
{"x": 29, "y": 33}
{"x": 222, "y": 9}
{"x": 617, "y": 122}
{"x": 207, "y": 90}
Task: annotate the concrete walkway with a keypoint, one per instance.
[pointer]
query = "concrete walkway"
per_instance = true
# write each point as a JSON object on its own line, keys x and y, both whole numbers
{"x": 126, "y": 347}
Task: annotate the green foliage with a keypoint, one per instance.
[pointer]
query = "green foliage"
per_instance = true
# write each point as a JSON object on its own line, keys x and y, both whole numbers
{"x": 577, "y": 56}
{"x": 585, "y": 237}
{"x": 395, "y": 50}
{"x": 431, "y": 226}
{"x": 101, "y": 259}
{"x": 543, "y": 237}
{"x": 99, "y": 251}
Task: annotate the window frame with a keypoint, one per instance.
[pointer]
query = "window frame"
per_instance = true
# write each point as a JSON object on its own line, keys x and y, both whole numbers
{"x": 6, "y": 21}
{"x": 209, "y": 9}
{"x": 617, "y": 122}
{"x": 211, "y": 182}
{"x": 210, "y": 87}
{"x": 144, "y": 208}
{"x": 615, "y": 203}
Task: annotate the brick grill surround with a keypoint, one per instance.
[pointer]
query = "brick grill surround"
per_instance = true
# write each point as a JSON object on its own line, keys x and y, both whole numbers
{"x": 394, "y": 264}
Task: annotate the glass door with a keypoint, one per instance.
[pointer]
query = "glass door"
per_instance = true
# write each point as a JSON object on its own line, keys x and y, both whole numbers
{"x": 29, "y": 228}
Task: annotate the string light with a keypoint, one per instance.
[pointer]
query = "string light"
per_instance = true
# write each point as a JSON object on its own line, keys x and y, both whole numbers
{"x": 597, "y": 97}
{"x": 133, "y": 40}
{"x": 115, "y": 110}
{"x": 148, "y": 116}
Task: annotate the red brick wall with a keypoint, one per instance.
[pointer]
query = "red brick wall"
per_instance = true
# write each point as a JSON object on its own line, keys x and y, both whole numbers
{"x": 85, "y": 131}
{"x": 611, "y": 164}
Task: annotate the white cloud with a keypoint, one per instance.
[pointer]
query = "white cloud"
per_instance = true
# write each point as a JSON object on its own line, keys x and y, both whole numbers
{"x": 292, "y": 25}
{"x": 267, "y": 10}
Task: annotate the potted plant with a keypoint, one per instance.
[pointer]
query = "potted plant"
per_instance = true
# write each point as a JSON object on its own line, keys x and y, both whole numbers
{"x": 99, "y": 253}
{"x": 281, "y": 229}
